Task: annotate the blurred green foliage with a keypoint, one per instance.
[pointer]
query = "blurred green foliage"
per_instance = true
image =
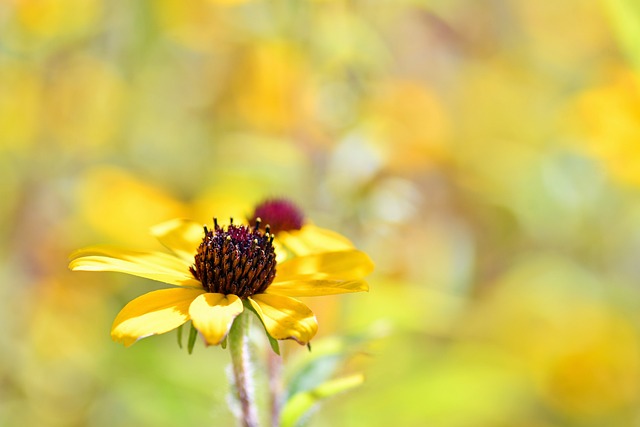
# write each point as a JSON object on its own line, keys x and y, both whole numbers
{"x": 485, "y": 153}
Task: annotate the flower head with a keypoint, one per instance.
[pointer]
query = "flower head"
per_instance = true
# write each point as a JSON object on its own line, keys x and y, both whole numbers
{"x": 279, "y": 214}
{"x": 219, "y": 272}
{"x": 237, "y": 261}
{"x": 294, "y": 233}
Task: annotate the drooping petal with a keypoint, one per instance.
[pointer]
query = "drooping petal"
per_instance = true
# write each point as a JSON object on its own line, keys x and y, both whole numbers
{"x": 314, "y": 288}
{"x": 153, "y": 313}
{"x": 181, "y": 236}
{"x": 285, "y": 318}
{"x": 151, "y": 265}
{"x": 212, "y": 314}
{"x": 343, "y": 265}
{"x": 311, "y": 239}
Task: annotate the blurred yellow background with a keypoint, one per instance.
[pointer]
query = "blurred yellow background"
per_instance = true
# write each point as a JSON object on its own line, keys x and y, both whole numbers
{"x": 486, "y": 154}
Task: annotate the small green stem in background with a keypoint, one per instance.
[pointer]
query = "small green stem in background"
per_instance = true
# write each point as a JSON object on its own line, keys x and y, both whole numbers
{"x": 274, "y": 366}
{"x": 242, "y": 369}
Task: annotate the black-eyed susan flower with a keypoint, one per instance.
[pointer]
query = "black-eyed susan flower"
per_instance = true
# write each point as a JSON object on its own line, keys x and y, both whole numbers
{"x": 219, "y": 272}
{"x": 294, "y": 232}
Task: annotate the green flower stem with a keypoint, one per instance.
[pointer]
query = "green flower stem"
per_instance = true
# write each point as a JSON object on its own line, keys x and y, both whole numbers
{"x": 242, "y": 368}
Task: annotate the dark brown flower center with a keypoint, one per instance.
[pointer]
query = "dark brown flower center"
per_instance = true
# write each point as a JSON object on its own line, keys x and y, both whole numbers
{"x": 279, "y": 214}
{"x": 238, "y": 260}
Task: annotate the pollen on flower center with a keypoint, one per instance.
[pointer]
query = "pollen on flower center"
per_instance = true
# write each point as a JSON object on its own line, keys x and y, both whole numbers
{"x": 279, "y": 214}
{"x": 236, "y": 260}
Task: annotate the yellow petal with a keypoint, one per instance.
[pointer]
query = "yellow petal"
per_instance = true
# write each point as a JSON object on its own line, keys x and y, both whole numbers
{"x": 311, "y": 239}
{"x": 281, "y": 252}
{"x": 314, "y": 288}
{"x": 285, "y": 318}
{"x": 153, "y": 313}
{"x": 212, "y": 314}
{"x": 181, "y": 236}
{"x": 342, "y": 265}
{"x": 151, "y": 265}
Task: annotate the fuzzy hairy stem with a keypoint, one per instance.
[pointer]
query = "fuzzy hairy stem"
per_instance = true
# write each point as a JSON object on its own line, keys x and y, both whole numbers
{"x": 274, "y": 365}
{"x": 242, "y": 369}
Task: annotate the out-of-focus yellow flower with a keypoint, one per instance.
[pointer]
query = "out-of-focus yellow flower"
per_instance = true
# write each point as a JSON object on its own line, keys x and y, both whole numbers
{"x": 408, "y": 125}
{"x": 52, "y": 16}
{"x": 584, "y": 36}
{"x": 45, "y": 24}
{"x": 232, "y": 190}
{"x": 121, "y": 207}
{"x": 268, "y": 84}
{"x": 196, "y": 25}
{"x": 227, "y": 2}
{"x": 580, "y": 353}
{"x": 292, "y": 230}
{"x": 19, "y": 106}
{"x": 61, "y": 361}
{"x": 235, "y": 267}
{"x": 608, "y": 118}
{"x": 83, "y": 102}
{"x": 598, "y": 377}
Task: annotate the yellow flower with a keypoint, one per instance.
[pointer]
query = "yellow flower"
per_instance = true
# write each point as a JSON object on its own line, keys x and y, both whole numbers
{"x": 297, "y": 236}
{"x": 217, "y": 274}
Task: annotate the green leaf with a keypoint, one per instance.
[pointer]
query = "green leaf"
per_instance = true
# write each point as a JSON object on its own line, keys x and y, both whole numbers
{"x": 180, "y": 336}
{"x": 223, "y": 344}
{"x": 302, "y": 402}
{"x": 317, "y": 371}
{"x": 193, "y": 333}
{"x": 328, "y": 355}
{"x": 275, "y": 346}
